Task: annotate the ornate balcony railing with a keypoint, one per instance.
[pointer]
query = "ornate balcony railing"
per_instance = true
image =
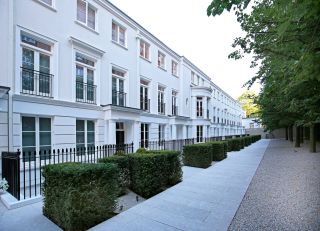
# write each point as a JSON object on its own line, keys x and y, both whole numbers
{"x": 161, "y": 108}
{"x": 119, "y": 98}
{"x": 174, "y": 110}
{"x": 145, "y": 104}
{"x": 85, "y": 93}
{"x": 36, "y": 83}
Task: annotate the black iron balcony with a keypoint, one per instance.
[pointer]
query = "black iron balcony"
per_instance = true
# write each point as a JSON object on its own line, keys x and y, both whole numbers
{"x": 161, "y": 108}
{"x": 119, "y": 98}
{"x": 85, "y": 93}
{"x": 174, "y": 110}
{"x": 145, "y": 104}
{"x": 36, "y": 82}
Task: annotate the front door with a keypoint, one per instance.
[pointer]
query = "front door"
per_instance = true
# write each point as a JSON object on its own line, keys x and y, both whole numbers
{"x": 120, "y": 136}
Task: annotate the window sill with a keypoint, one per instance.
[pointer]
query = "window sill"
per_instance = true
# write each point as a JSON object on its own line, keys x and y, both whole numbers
{"x": 86, "y": 27}
{"x": 162, "y": 68}
{"x": 46, "y": 5}
{"x": 145, "y": 59}
{"x": 175, "y": 75}
{"x": 118, "y": 44}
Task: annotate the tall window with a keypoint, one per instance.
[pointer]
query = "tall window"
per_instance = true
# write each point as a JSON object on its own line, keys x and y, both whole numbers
{"x": 199, "y": 133}
{"x": 161, "y": 60}
{"x": 144, "y": 100}
{"x": 144, "y": 135}
{"x": 118, "y": 94}
{"x": 198, "y": 80}
{"x": 161, "y": 132}
{"x": 144, "y": 50}
{"x": 199, "y": 107}
{"x": 35, "y": 71}
{"x": 85, "y": 134}
{"x": 192, "y": 77}
{"x": 85, "y": 88}
{"x": 86, "y": 14}
{"x": 118, "y": 34}
{"x": 174, "y": 103}
{"x": 161, "y": 104}
{"x": 36, "y": 137}
{"x": 174, "y": 68}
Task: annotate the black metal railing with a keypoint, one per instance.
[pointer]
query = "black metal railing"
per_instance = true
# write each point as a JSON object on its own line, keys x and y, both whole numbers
{"x": 174, "y": 145}
{"x": 36, "y": 82}
{"x": 27, "y": 172}
{"x": 145, "y": 104}
{"x": 119, "y": 98}
{"x": 174, "y": 110}
{"x": 161, "y": 108}
{"x": 85, "y": 93}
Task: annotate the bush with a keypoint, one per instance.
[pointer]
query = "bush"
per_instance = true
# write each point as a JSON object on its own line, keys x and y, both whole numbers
{"x": 226, "y": 148}
{"x": 124, "y": 172}
{"x": 198, "y": 155}
{"x": 148, "y": 173}
{"x": 174, "y": 170}
{"x": 79, "y": 196}
{"x": 120, "y": 153}
{"x": 218, "y": 150}
{"x": 141, "y": 150}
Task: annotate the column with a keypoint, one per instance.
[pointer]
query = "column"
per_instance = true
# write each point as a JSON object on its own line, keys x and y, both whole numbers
{"x": 184, "y": 132}
{"x": 205, "y": 107}
{"x": 111, "y": 132}
{"x": 173, "y": 132}
{"x": 136, "y": 135}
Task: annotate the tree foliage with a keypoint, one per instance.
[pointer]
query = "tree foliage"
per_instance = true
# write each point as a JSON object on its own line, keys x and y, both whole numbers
{"x": 247, "y": 100}
{"x": 284, "y": 39}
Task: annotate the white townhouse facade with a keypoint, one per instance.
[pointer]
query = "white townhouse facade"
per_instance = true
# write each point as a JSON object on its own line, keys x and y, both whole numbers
{"x": 81, "y": 73}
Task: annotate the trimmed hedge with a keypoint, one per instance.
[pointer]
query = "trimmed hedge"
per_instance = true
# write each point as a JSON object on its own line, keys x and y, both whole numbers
{"x": 147, "y": 173}
{"x": 79, "y": 196}
{"x": 153, "y": 171}
{"x": 197, "y": 155}
{"x": 218, "y": 150}
{"x": 124, "y": 170}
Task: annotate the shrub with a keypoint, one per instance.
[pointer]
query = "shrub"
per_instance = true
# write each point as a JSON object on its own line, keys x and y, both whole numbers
{"x": 79, "y": 196}
{"x": 197, "y": 155}
{"x": 141, "y": 150}
{"x": 226, "y": 148}
{"x": 218, "y": 150}
{"x": 174, "y": 171}
{"x": 147, "y": 173}
{"x": 124, "y": 172}
{"x": 120, "y": 153}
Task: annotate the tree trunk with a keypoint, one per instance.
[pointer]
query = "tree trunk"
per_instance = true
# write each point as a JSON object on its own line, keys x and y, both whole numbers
{"x": 312, "y": 139}
{"x": 307, "y": 133}
{"x": 291, "y": 133}
{"x": 287, "y": 133}
{"x": 297, "y": 141}
{"x": 301, "y": 134}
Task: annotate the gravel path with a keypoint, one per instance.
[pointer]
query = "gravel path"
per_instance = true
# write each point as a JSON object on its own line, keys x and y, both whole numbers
{"x": 284, "y": 193}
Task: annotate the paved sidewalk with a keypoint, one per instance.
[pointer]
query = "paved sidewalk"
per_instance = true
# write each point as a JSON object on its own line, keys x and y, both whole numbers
{"x": 205, "y": 201}
{"x": 285, "y": 192}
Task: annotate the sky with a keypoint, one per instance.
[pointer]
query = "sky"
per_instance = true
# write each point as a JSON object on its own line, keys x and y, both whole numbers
{"x": 183, "y": 25}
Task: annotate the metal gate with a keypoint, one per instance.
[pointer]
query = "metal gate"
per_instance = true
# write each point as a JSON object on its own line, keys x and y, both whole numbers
{"x": 11, "y": 172}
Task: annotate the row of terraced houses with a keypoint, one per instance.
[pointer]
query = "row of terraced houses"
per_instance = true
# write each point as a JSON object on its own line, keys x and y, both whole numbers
{"x": 82, "y": 73}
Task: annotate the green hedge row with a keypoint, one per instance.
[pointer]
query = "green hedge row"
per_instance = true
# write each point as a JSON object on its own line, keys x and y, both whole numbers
{"x": 201, "y": 155}
{"x": 79, "y": 196}
{"x": 149, "y": 172}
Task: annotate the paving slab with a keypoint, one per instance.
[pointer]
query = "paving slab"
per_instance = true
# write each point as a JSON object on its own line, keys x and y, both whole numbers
{"x": 205, "y": 201}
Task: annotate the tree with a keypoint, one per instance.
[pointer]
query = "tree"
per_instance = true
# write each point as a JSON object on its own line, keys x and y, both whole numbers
{"x": 284, "y": 38}
{"x": 247, "y": 100}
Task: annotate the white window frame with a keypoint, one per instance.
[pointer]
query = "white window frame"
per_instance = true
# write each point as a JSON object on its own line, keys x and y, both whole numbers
{"x": 144, "y": 129}
{"x": 86, "y": 131}
{"x": 161, "y": 133}
{"x": 199, "y": 134}
{"x": 86, "y": 23}
{"x": 199, "y": 107}
{"x": 192, "y": 77}
{"x": 37, "y": 134}
{"x": 145, "y": 47}
{"x": 174, "y": 71}
{"x": 118, "y": 78}
{"x": 118, "y": 27}
{"x": 160, "y": 64}
{"x": 161, "y": 100}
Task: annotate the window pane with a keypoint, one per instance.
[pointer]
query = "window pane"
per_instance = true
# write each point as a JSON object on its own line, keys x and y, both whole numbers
{"x": 90, "y": 126}
{"x": 80, "y": 125}
{"x": 91, "y": 18}
{"x": 45, "y": 138}
{"x": 122, "y": 36}
{"x": 45, "y": 124}
{"x": 28, "y": 124}
{"x": 90, "y": 137}
{"x": 114, "y": 32}
{"x": 81, "y": 11}
{"x": 28, "y": 139}
{"x": 90, "y": 79}
{"x": 141, "y": 48}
